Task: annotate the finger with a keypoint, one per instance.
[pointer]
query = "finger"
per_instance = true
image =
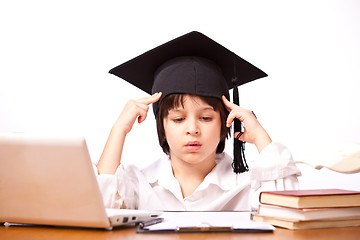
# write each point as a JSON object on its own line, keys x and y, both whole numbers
{"x": 141, "y": 112}
{"x": 229, "y": 105}
{"x": 136, "y": 107}
{"x": 232, "y": 115}
{"x": 151, "y": 99}
{"x": 142, "y": 117}
{"x": 239, "y": 136}
{"x": 142, "y": 106}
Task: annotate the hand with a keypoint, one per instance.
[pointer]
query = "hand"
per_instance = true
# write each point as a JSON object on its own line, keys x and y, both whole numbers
{"x": 135, "y": 109}
{"x": 253, "y": 131}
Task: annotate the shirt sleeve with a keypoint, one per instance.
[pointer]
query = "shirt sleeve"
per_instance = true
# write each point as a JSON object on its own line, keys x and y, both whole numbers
{"x": 274, "y": 170}
{"x": 119, "y": 190}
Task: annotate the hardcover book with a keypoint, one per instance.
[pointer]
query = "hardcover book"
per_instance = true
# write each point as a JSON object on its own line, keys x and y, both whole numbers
{"x": 316, "y": 198}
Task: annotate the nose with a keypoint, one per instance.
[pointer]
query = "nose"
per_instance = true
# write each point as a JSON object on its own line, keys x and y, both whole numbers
{"x": 192, "y": 128}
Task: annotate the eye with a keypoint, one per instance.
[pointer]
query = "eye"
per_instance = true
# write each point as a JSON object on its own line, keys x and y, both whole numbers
{"x": 206, "y": 118}
{"x": 178, "y": 119}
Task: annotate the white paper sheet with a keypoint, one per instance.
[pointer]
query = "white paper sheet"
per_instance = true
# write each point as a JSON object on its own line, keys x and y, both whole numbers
{"x": 174, "y": 221}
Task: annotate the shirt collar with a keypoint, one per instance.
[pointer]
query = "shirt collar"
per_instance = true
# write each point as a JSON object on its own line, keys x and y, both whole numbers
{"x": 161, "y": 173}
{"x": 222, "y": 174}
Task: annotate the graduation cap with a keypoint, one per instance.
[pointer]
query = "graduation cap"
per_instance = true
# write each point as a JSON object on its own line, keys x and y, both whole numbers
{"x": 192, "y": 64}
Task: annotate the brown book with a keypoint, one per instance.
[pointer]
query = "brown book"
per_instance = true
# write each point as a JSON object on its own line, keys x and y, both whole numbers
{"x": 287, "y": 213}
{"x": 316, "y": 198}
{"x": 326, "y": 223}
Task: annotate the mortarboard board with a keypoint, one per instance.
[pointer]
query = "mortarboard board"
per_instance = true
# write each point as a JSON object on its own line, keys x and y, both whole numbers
{"x": 192, "y": 64}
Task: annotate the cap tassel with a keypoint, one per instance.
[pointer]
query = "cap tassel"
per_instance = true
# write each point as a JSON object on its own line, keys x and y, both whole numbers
{"x": 239, "y": 163}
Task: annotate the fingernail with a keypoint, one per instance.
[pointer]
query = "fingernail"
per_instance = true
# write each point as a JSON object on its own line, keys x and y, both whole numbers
{"x": 238, "y": 135}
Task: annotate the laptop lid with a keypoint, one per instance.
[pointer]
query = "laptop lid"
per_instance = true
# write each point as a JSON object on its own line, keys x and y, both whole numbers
{"x": 49, "y": 181}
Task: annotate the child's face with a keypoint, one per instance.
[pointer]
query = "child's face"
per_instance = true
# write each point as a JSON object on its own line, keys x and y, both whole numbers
{"x": 193, "y": 131}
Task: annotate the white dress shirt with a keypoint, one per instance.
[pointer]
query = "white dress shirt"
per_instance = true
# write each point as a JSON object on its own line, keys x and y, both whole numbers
{"x": 156, "y": 188}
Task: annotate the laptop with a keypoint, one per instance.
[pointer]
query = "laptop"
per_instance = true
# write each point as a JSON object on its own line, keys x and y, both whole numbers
{"x": 51, "y": 181}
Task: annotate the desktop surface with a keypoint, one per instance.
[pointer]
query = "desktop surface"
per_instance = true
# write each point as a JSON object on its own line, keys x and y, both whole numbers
{"x": 45, "y": 232}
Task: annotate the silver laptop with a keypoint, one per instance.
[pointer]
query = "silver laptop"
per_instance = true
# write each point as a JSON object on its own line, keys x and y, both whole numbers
{"x": 51, "y": 181}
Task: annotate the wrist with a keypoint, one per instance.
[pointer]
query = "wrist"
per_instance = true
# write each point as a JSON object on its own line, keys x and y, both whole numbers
{"x": 120, "y": 128}
{"x": 262, "y": 140}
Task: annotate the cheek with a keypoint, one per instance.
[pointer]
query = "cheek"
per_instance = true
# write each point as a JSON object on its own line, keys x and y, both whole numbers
{"x": 214, "y": 133}
{"x": 170, "y": 132}
{"x": 216, "y": 128}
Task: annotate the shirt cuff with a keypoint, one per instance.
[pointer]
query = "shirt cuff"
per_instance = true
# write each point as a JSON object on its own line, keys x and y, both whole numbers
{"x": 274, "y": 162}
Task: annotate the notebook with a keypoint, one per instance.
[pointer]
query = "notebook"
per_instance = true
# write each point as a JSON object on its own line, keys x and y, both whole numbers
{"x": 51, "y": 181}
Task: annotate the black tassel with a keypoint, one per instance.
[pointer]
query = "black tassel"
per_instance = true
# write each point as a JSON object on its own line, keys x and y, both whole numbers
{"x": 239, "y": 164}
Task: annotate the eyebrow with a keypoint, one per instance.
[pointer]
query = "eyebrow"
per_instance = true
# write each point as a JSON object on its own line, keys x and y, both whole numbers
{"x": 201, "y": 109}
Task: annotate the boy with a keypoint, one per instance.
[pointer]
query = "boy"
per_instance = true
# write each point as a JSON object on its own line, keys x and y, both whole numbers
{"x": 189, "y": 78}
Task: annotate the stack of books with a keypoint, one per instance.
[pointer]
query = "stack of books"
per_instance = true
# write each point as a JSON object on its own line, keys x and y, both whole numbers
{"x": 306, "y": 209}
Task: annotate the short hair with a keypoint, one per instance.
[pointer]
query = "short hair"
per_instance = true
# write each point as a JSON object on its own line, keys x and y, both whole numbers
{"x": 175, "y": 100}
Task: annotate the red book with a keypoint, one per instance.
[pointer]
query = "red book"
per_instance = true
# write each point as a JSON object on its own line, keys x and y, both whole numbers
{"x": 317, "y": 198}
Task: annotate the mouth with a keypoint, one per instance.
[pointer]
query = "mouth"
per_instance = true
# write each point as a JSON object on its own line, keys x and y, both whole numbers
{"x": 193, "y": 146}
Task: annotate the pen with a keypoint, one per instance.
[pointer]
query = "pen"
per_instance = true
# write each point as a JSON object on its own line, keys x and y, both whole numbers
{"x": 150, "y": 222}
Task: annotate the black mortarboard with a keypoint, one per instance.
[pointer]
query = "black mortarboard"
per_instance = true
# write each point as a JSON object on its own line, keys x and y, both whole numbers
{"x": 192, "y": 64}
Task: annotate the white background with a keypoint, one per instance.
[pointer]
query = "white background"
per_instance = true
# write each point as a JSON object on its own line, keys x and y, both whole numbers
{"x": 55, "y": 57}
